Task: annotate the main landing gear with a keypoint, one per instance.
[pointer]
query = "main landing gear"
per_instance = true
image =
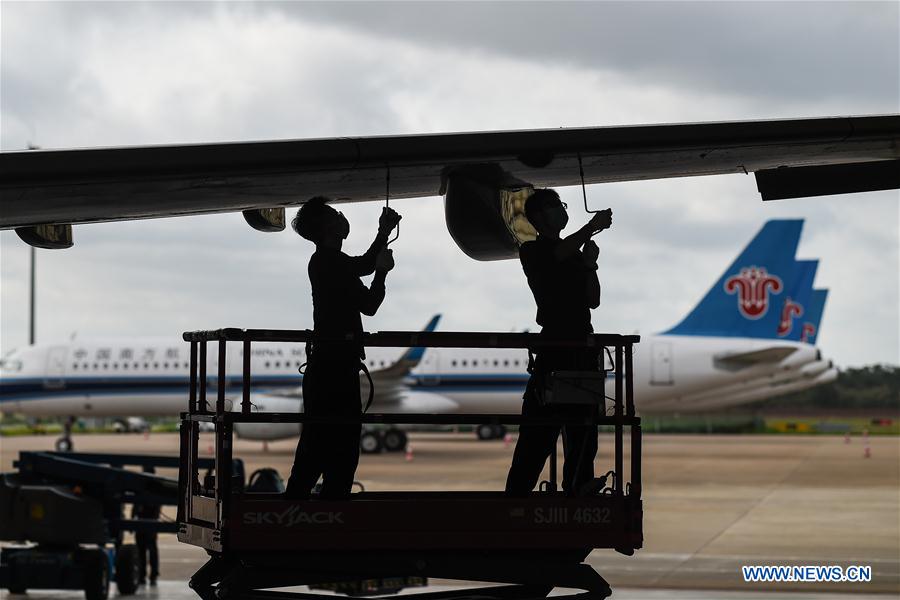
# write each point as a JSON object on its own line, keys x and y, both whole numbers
{"x": 373, "y": 441}
{"x": 489, "y": 431}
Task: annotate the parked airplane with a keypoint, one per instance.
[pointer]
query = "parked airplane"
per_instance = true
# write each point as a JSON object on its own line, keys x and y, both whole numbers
{"x": 749, "y": 338}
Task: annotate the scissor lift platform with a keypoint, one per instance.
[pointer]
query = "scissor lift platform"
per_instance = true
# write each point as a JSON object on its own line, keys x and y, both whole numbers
{"x": 260, "y": 541}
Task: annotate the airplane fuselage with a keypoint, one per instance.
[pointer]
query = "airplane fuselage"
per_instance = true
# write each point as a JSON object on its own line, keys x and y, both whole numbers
{"x": 149, "y": 377}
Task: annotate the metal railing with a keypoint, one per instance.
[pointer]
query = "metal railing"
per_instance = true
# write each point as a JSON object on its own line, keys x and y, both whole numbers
{"x": 199, "y": 410}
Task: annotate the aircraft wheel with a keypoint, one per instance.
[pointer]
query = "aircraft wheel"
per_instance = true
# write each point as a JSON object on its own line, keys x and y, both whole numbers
{"x": 499, "y": 432}
{"x": 395, "y": 440}
{"x": 485, "y": 432}
{"x": 127, "y": 569}
{"x": 370, "y": 442}
{"x": 64, "y": 444}
{"x": 96, "y": 575}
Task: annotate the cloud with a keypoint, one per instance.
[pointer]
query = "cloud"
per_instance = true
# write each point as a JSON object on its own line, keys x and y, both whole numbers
{"x": 804, "y": 51}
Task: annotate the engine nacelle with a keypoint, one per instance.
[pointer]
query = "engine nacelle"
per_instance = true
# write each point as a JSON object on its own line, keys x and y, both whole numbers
{"x": 485, "y": 211}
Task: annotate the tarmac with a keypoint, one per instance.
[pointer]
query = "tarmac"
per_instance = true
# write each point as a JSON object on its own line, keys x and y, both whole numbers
{"x": 712, "y": 503}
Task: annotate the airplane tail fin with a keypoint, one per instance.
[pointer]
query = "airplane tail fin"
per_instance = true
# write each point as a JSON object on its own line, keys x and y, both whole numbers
{"x": 750, "y": 298}
{"x": 809, "y": 331}
{"x": 408, "y": 360}
{"x": 415, "y": 354}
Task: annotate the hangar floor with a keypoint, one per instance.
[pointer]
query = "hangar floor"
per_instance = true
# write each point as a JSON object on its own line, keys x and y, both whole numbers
{"x": 712, "y": 504}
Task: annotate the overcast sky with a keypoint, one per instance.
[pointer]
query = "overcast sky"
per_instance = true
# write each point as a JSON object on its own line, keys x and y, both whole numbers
{"x": 76, "y": 75}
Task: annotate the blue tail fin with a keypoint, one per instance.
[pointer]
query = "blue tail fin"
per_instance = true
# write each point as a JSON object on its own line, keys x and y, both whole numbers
{"x": 747, "y": 299}
{"x": 795, "y": 300}
{"x": 415, "y": 354}
{"x": 814, "y": 309}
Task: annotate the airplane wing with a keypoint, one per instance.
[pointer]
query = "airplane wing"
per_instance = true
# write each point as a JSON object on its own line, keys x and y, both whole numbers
{"x": 790, "y": 158}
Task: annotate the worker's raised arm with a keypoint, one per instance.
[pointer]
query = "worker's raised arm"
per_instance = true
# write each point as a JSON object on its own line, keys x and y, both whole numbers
{"x": 365, "y": 264}
{"x": 589, "y": 254}
{"x": 571, "y": 243}
{"x": 368, "y": 300}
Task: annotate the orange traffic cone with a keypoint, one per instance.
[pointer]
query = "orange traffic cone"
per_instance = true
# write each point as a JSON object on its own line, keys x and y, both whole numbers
{"x": 409, "y": 452}
{"x": 507, "y": 440}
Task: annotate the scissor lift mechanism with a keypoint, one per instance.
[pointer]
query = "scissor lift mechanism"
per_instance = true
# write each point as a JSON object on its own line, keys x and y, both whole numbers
{"x": 258, "y": 541}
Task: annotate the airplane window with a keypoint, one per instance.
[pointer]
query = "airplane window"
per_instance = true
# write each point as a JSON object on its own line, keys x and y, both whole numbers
{"x": 268, "y": 364}
{"x": 105, "y": 366}
{"x": 155, "y": 365}
{"x": 474, "y": 363}
{"x": 95, "y": 366}
{"x": 505, "y": 363}
{"x": 382, "y": 363}
{"x": 465, "y": 363}
{"x": 278, "y": 364}
{"x": 517, "y": 362}
{"x": 165, "y": 365}
{"x": 453, "y": 363}
{"x": 115, "y": 365}
{"x": 146, "y": 365}
{"x": 186, "y": 365}
{"x": 135, "y": 365}
{"x": 74, "y": 366}
{"x": 496, "y": 363}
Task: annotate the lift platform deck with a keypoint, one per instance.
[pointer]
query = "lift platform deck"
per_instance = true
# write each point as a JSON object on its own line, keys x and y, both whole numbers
{"x": 260, "y": 541}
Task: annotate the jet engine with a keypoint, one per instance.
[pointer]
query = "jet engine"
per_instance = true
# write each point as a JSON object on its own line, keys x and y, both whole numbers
{"x": 485, "y": 211}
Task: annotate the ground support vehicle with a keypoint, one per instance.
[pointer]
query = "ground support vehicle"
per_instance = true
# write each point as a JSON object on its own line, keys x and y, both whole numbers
{"x": 65, "y": 512}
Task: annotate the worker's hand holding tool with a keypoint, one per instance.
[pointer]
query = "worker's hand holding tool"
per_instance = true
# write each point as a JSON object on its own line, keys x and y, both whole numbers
{"x": 601, "y": 220}
{"x": 590, "y": 252}
{"x": 384, "y": 262}
{"x": 388, "y": 220}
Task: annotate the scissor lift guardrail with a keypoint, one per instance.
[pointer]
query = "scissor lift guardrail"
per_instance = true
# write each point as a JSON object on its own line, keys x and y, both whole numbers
{"x": 261, "y": 540}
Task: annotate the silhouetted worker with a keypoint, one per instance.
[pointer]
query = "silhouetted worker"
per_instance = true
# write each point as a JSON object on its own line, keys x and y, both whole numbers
{"x": 331, "y": 379}
{"x": 148, "y": 553}
{"x": 562, "y": 275}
